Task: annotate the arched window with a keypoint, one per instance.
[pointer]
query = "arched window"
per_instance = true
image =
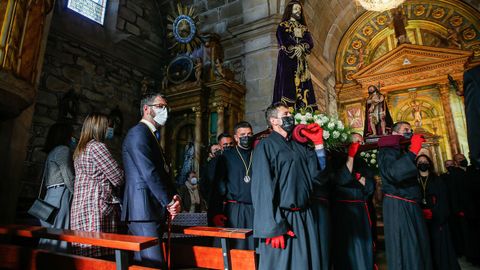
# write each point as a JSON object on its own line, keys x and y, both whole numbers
{"x": 92, "y": 9}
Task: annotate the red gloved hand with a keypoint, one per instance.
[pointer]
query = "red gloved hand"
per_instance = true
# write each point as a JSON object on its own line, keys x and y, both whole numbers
{"x": 219, "y": 220}
{"x": 358, "y": 176}
{"x": 314, "y": 133}
{"x": 278, "y": 241}
{"x": 416, "y": 143}
{"x": 353, "y": 149}
{"x": 297, "y": 135}
{"x": 461, "y": 214}
{"x": 427, "y": 214}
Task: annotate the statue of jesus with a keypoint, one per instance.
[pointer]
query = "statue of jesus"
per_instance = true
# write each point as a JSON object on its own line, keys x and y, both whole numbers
{"x": 293, "y": 84}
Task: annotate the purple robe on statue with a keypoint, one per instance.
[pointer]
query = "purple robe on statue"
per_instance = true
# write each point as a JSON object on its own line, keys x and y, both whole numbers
{"x": 293, "y": 85}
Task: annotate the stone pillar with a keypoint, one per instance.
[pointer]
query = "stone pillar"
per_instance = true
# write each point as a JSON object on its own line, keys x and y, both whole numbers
{"x": 452, "y": 134}
{"x": 220, "y": 117}
{"x": 198, "y": 136}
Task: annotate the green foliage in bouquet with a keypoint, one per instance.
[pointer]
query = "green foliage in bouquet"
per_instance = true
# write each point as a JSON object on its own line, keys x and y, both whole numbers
{"x": 335, "y": 133}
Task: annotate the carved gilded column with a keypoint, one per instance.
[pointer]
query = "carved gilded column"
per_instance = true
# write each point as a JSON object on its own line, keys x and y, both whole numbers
{"x": 198, "y": 136}
{"x": 220, "y": 117}
{"x": 452, "y": 134}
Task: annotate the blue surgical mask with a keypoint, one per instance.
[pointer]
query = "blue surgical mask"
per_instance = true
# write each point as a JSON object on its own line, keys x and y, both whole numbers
{"x": 109, "y": 133}
{"x": 194, "y": 181}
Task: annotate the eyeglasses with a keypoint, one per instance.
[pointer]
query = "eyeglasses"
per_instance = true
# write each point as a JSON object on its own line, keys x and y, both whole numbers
{"x": 159, "y": 106}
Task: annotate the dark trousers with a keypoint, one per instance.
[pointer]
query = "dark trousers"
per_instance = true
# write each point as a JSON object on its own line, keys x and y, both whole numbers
{"x": 153, "y": 256}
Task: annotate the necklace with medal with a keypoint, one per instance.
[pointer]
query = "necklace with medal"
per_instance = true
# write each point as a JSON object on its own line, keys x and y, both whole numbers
{"x": 424, "y": 188}
{"x": 246, "y": 179}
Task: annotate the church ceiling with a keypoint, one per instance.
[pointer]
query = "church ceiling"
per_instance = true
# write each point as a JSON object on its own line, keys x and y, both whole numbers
{"x": 439, "y": 23}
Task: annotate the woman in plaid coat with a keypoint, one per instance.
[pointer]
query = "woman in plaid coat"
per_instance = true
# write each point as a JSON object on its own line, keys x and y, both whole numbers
{"x": 98, "y": 178}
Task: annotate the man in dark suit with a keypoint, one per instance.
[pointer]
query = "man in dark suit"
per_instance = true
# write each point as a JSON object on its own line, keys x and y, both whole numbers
{"x": 471, "y": 84}
{"x": 148, "y": 190}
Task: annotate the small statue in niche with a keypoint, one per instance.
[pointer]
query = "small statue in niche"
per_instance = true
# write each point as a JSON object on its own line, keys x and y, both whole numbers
{"x": 213, "y": 51}
{"x": 416, "y": 113}
{"x": 377, "y": 116}
{"x": 219, "y": 69}
{"x": 399, "y": 25}
{"x": 198, "y": 71}
{"x": 164, "y": 78}
{"x": 362, "y": 57}
{"x": 68, "y": 106}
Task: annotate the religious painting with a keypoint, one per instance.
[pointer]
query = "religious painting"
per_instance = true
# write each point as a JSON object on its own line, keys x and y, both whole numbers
{"x": 354, "y": 115}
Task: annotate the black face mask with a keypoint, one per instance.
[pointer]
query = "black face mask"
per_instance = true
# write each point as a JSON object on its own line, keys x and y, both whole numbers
{"x": 464, "y": 163}
{"x": 423, "y": 167}
{"x": 246, "y": 141}
{"x": 288, "y": 123}
{"x": 450, "y": 168}
{"x": 408, "y": 135}
{"x": 217, "y": 153}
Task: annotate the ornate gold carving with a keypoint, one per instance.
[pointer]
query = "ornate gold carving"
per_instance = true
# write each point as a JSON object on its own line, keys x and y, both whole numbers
{"x": 469, "y": 34}
{"x": 351, "y": 59}
{"x": 456, "y": 21}
{"x": 367, "y": 30}
{"x": 381, "y": 20}
{"x": 357, "y": 44}
{"x": 438, "y": 13}
{"x": 419, "y": 10}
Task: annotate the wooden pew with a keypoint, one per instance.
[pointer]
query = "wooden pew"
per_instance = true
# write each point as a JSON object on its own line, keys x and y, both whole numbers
{"x": 121, "y": 243}
{"x": 182, "y": 255}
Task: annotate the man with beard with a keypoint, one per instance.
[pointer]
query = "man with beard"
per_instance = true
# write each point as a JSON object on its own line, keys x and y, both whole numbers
{"x": 284, "y": 175}
{"x": 233, "y": 177}
{"x": 406, "y": 237}
{"x": 293, "y": 83}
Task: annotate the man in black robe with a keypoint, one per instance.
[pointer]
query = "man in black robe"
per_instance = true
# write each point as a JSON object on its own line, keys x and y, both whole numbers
{"x": 353, "y": 246}
{"x": 207, "y": 177}
{"x": 471, "y": 91}
{"x": 406, "y": 237}
{"x": 233, "y": 176}
{"x": 284, "y": 174}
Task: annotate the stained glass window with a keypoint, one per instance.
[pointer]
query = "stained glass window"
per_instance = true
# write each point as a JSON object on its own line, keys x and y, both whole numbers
{"x": 92, "y": 9}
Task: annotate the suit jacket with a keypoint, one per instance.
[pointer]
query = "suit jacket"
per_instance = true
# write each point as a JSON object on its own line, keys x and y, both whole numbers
{"x": 471, "y": 84}
{"x": 148, "y": 189}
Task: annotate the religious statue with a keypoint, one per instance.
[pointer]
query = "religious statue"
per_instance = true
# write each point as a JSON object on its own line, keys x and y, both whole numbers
{"x": 165, "y": 78}
{"x": 293, "y": 84}
{"x": 198, "y": 70}
{"x": 377, "y": 117}
{"x": 362, "y": 57}
{"x": 399, "y": 23}
{"x": 219, "y": 68}
{"x": 416, "y": 112}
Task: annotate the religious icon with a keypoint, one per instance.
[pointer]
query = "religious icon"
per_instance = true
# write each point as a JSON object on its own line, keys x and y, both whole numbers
{"x": 293, "y": 84}
{"x": 377, "y": 117}
{"x": 399, "y": 22}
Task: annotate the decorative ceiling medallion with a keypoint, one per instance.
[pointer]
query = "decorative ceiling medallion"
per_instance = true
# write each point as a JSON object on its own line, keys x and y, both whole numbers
{"x": 380, "y": 5}
{"x": 349, "y": 76}
{"x": 476, "y": 50}
{"x": 367, "y": 30}
{"x": 469, "y": 34}
{"x": 351, "y": 59}
{"x": 357, "y": 44}
{"x": 381, "y": 20}
{"x": 438, "y": 13}
{"x": 183, "y": 29}
{"x": 419, "y": 10}
{"x": 456, "y": 20}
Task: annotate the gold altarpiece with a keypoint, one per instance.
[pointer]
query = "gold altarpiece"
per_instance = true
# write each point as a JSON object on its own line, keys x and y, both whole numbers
{"x": 200, "y": 112}
{"x": 415, "y": 81}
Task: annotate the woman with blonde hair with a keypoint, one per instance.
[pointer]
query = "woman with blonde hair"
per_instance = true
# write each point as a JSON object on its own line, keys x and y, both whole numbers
{"x": 98, "y": 179}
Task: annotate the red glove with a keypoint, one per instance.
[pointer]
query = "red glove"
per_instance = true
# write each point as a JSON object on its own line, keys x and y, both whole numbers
{"x": 353, "y": 149}
{"x": 297, "y": 135}
{"x": 427, "y": 214}
{"x": 358, "y": 176}
{"x": 278, "y": 241}
{"x": 461, "y": 214}
{"x": 416, "y": 143}
{"x": 314, "y": 133}
{"x": 219, "y": 220}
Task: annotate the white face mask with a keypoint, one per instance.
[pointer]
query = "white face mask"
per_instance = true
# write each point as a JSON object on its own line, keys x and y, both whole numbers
{"x": 161, "y": 116}
{"x": 194, "y": 181}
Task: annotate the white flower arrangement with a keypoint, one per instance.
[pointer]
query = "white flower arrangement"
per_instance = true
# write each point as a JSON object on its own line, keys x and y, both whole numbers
{"x": 370, "y": 158}
{"x": 335, "y": 133}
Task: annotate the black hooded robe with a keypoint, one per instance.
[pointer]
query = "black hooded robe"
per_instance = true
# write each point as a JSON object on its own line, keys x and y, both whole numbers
{"x": 406, "y": 236}
{"x": 284, "y": 174}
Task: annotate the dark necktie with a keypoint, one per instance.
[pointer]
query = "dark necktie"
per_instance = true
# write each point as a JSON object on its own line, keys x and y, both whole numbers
{"x": 157, "y": 134}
